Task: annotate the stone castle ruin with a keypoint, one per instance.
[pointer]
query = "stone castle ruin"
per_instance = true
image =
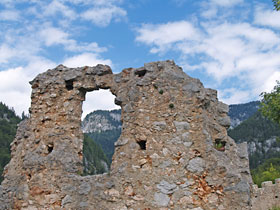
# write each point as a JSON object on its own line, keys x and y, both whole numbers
{"x": 173, "y": 152}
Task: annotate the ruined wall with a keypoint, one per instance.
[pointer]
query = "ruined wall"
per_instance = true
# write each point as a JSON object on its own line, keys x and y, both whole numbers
{"x": 267, "y": 196}
{"x": 173, "y": 152}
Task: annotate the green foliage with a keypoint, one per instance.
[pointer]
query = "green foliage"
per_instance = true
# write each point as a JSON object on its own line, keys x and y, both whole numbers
{"x": 94, "y": 158}
{"x": 270, "y": 104}
{"x": 220, "y": 145}
{"x": 276, "y": 4}
{"x": 160, "y": 92}
{"x": 275, "y": 208}
{"x": 268, "y": 171}
{"x": 257, "y": 129}
{"x": 8, "y": 127}
{"x": 106, "y": 140}
{"x": 171, "y": 106}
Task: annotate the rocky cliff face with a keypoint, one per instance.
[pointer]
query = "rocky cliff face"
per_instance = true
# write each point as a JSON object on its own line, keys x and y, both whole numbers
{"x": 241, "y": 112}
{"x": 102, "y": 120}
{"x": 173, "y": 152}
{"x": 262, "y": 136}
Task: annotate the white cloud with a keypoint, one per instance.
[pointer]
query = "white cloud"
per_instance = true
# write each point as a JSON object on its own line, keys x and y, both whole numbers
{"x": 6, "y": 53}
{"x": 102, "y": 16}
{"x": 233, "y": 96}
{"x": 101, "y": 99}
{"x": 247, "y": 54}
{"x": 15, "y": 89}
{"x": 162, "y": 36}
{"x": 12, "y": 15}
{"x": 226, "y": 3}
{"x": 53, "y": 36}
{"x": 56, "y": 36}
{"x": 270, "y": 82}
{"x": 267, "y": 17}
{"x": 86, "y": 59}
{"x": 11, "y": 79}
{"x": 56, "y": 7}
{"x": 219, "y": 9}
{"x": 24, "y": 44}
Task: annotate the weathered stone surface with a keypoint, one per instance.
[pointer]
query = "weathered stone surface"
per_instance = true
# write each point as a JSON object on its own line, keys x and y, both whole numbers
{"x": 165, "y": 157}
{"x": 161, "y": 199}
{"x": 166, "y": 188}
{"x": 196, "y": 165}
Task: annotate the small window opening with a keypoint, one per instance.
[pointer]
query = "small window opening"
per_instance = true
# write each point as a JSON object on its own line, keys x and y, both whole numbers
{"x": 69, "y": 84}
{"x": 142, "y": 144}
{"x": 141, "y": 73}
{"x": 50, "y": 148}
{"x": 220, "y": 145}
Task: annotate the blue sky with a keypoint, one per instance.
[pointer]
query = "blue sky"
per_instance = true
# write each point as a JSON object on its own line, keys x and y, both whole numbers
{"x": 230, "y": 45}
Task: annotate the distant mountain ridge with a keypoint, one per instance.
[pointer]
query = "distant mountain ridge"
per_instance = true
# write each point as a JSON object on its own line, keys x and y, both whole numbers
{"x": 241, "y": 112}
{"x": 262, "y": 136}
{"x": 104, "y": 127}
{"x": 102, "y": 120}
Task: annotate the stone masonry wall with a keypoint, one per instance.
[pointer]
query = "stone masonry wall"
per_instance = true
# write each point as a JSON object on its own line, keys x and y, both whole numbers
{"x": 173, "y": 152}
{"x": 267, "y": 196}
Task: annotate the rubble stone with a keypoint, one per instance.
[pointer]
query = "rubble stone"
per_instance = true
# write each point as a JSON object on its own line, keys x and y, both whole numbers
{"x": 163, "y": 160}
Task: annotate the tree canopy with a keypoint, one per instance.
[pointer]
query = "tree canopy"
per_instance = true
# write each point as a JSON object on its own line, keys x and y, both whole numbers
{"x": 270, "y": 104}
{"x": 276, "y": 4}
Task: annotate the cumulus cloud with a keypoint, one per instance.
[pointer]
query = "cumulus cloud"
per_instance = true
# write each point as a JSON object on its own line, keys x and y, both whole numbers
{"x": 266, "y": 17}
{"x": 162, "y": 36}
{"x": 85, "y": 59}
{"x": 233, "y": 95}
{"x": 226, "y": 3}
{"x": 219, "y": 8}
{"x": 101, "y": 99}
{"x": 57, "y": 7}
{"x": 56, "y": 36}
{"x": 53, "y": 36}
{"x": 102, "y": 16}
{"x": 15, "y": 90}
{"x": 27, "y": 37}
{"x": 242, "y": 52}
{"x": 6, "y": 53}
{"x": 11, "y": 15}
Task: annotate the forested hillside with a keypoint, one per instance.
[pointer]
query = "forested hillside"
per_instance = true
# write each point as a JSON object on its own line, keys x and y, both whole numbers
{"x": 8, "y": 126}
{"x": 263, "y": 138}
{"x": 104, "y": 127}
{"x": 240, "y": 112}
{"x": 94, "y": 160}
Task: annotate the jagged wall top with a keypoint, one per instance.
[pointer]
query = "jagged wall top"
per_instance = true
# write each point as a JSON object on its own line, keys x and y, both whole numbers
{"x": 173, "y": 152}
